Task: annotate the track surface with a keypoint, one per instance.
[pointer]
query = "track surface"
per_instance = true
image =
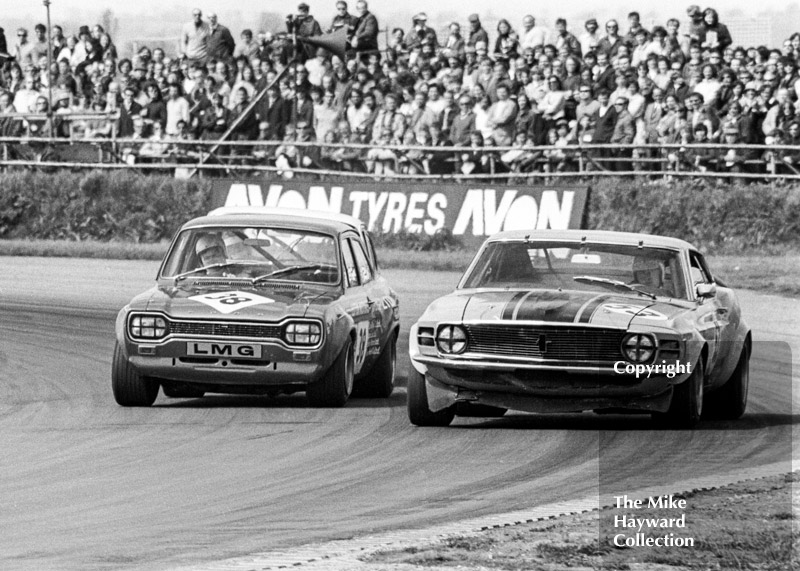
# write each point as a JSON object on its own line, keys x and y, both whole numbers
{"x": 85, "y": 484}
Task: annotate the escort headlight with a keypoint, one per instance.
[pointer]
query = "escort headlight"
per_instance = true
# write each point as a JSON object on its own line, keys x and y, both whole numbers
{"x": 451, "y": 339}
{"x": 147, "y": 327}
{"x": 302, "y": 333}
{"x": 638, "y": 348}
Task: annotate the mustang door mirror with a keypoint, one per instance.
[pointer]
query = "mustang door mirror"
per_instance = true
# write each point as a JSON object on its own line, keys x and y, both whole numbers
{"x": 706, "y": 290}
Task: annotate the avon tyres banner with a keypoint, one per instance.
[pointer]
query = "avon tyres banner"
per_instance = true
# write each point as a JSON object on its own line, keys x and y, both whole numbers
{"x": 472, "y": 210}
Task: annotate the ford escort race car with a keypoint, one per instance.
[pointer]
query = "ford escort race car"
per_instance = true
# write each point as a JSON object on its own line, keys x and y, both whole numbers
{"x": 261, "y": 302}
{"x": 576, "y": 320}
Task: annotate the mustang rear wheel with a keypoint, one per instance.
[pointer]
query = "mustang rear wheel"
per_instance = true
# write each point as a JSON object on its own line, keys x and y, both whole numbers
{"x": 379, "y": 382}
{"x": 130, "y": 388}
{"x": 687, "y": 401}
{"x": 418, "y": 412}
{"x": 335, "y": 387}
{"x": 730, "y": 401}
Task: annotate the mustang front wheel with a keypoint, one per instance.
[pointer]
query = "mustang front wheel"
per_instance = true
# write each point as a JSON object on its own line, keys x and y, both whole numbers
{"x": 130, "y": 388}
{"x": 418, "y": 412}
{"x": 730, "y": 401}
{"x": 335, "y": 387}
{"x": 687, "y": 401}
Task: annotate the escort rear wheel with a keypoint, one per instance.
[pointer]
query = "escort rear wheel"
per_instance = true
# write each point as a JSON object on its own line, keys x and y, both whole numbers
{"x": 129, "y": 387}
{"x": 333, "y": 390}
{"x": 418, "y": 412}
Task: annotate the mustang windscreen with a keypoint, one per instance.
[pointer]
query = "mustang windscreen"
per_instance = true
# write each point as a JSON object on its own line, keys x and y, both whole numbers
{"x": 595, "y": 267}
{"x": 254, "y": 253}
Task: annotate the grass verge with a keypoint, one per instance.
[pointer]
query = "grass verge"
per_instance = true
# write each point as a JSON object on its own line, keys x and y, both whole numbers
{"x": 750, "y": 525}
{"x": 762, "y": 271}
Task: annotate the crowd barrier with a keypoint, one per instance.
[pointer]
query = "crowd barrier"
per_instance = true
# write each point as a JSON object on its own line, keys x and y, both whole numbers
{"x": 324, "y": 161}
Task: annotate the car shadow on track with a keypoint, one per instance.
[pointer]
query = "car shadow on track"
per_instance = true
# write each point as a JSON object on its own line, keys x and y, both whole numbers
{"x": 625, "y": 423}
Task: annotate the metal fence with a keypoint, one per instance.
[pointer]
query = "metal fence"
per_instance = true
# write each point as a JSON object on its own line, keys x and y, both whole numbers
{"x": 399, "y": 162}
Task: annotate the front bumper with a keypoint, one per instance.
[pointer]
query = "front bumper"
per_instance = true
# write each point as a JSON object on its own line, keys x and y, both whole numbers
{"x": 543, "y": 388}
{"x": 278, "y": 365}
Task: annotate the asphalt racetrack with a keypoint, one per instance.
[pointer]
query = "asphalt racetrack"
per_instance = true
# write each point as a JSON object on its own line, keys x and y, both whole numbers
{"x": 86, "y": 484}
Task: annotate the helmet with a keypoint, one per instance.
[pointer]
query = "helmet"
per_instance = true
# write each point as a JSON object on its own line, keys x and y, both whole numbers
{"x": 648, "y": 271}
{"x": 207, "y": 244}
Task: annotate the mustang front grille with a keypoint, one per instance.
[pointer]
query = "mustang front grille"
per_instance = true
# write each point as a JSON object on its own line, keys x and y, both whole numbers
{"x": 225, "y": 329}
{"x": 551, "y": 343}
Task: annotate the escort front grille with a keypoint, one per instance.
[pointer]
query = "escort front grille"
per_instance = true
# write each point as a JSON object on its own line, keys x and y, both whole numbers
{"x": 225, "y": 329}
{"x": 568, "y": 344}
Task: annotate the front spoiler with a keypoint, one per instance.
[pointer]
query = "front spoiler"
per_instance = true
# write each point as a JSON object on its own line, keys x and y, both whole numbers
{"x": 554, "y": 389}
{"x": 274, "y": 373}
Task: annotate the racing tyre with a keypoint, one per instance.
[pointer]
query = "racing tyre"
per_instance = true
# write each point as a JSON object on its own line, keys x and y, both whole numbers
{"x": 730, "y": 401}
{"x": 468, "y": 409}
{"x": 130, "y": 388}
{"x": 687, "y": 401}
{"x": 333, "y": 390}
{"x": 379, "y": 382}
{"x": 418, "y": 412}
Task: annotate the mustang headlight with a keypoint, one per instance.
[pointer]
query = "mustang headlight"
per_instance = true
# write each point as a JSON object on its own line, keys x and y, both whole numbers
{"x": 302, "y": 333}
{"x": 638, "y": 348}
{"x": 147, "y": 327}
{"x": 451, "y": 339}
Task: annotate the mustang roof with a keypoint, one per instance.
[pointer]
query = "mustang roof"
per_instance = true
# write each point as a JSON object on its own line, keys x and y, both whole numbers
{"x": 313, "y": 223}
{"x": 594, "y": 236}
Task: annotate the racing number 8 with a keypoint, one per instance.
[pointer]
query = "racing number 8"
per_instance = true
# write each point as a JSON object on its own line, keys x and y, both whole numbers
{"x": 229, "y": 298}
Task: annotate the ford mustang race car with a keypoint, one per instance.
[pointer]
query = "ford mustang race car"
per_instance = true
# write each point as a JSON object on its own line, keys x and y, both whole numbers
{"x": 260, "y": 301}
{"x": 576, "y": 320}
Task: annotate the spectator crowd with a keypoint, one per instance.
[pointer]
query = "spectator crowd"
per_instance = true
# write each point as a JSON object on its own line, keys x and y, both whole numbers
{"x": 535, "y": 93}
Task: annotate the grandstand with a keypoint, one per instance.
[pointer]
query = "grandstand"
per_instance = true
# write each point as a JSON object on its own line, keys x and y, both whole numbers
{"x": 348, "y": 95}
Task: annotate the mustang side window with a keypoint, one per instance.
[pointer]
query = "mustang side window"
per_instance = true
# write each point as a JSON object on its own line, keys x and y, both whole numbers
{"x": 364, "y": 269}
{"x": 698, "y": 270}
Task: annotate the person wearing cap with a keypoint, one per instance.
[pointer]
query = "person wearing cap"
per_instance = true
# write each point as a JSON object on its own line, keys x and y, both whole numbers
{"x": 590, "y": 39}
{"x": 420, "y": 33}
{"x": 195, "y": 37}
{"x": 476, "y": 32}
{"x": 532, "y": 35}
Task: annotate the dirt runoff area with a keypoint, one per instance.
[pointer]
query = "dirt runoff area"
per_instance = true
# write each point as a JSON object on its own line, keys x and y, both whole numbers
{"x": 750, "y": 525}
